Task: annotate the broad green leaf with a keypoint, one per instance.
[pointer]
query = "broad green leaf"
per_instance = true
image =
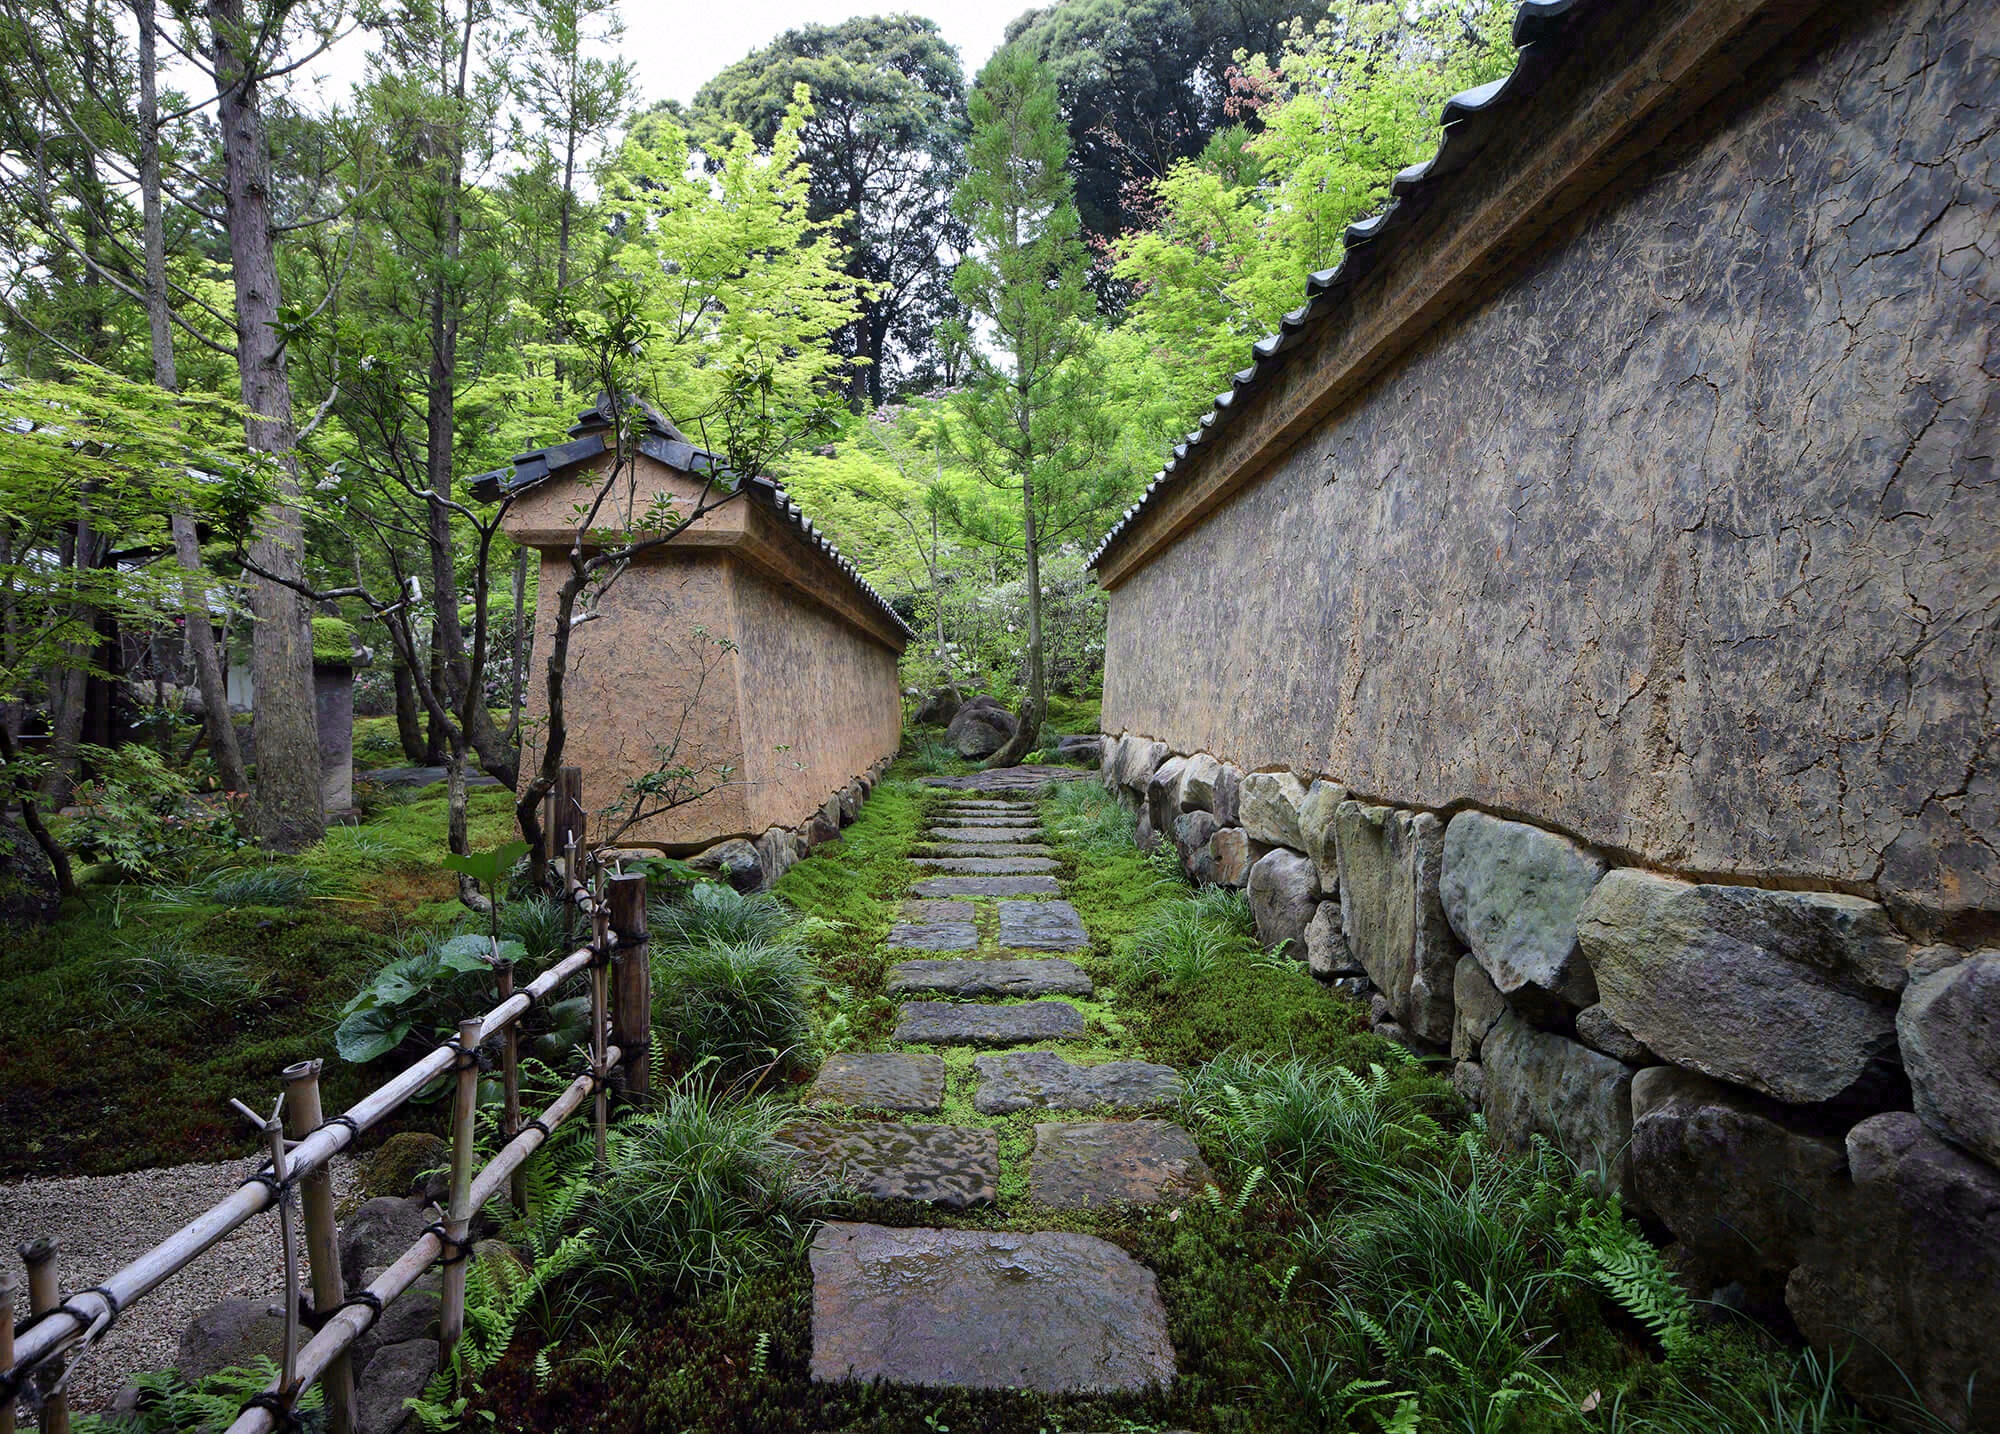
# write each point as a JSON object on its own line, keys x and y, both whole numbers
{"x": 369, "y": 1034}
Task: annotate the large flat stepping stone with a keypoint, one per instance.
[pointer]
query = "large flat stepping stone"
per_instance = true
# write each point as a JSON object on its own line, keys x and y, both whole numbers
{"x": 1042, "y": 926}
{"x": 934, "y": 935}
{"x": 940, "y": 1023}
{"x": 1010, "y": 779}
{"x": 989, "y": 886}
{"x": 956, "y": 1166}
{"x": 991, "y": 822}
{"x": 881, "y": 1080}
{"x": 987, "y": 865}
{"x": 1116, "y": 1162}
{"x": 1044, "y": 977}
{"x": 936, "y": 913}
{"x": 1053, "y": 1312}
{"x": 1043, "y": 1080}
{"x": 991, "y": 836}
{"x": 984, "y": 848}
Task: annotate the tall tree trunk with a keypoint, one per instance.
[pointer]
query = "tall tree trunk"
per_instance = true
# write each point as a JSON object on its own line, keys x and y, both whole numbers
{"x": 222, "y": 746}
{"x": 1028, "y": 729}
{"x": 409, "y": 718}
{"x": 69, "y": 683}
{"x": 289, "y": 811}
{"x": 517, "y": 668}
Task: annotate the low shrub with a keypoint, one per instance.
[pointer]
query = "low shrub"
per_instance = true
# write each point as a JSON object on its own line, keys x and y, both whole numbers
{"x": 734, "y": 1010}
{"x": 711, "y": 912}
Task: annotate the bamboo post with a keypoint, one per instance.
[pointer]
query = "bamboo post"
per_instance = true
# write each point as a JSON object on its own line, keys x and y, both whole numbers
{"x": 8, "y": 1286}
{"x": 272, "y": 1128}
{"x": 510, "y": 1084}
{"x": 44, "y": 1294}
{"x": 458, "y": 1210}
{"x": 632, "y": 983}
{"x": 304, "y": 1116}
{"x": 600, "y": 981}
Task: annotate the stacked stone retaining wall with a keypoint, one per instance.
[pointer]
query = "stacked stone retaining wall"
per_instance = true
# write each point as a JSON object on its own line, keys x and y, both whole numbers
{"x": 1804, "y": 1097}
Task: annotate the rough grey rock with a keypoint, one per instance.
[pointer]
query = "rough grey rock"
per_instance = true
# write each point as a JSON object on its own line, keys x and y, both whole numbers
{"x": 1041, "y": 926}
{"x": 1139, "y": 760}
{"x": 1284, "y": 894}
{"x": 1143, "y": 835}
{"x": 851, "y": 797}
{"x": 1119, "y": 1162}
{"x": 820, "y": 828}
{"x": 956, "y": 1166}
{"x": 1163, "y": 793}
{"x": 1903, "y": 1278}
{"x": 1318, "y": 834}
{"x": 988, "y": 886}
{"x": 948, "y": 1308}
{"x": 1229, "y": 795}
{"x": 1949, "y": 1028}
{"x": 229, "y": 1333}
{"x": 988, "y": 835}
{"x": 413, "y": 1315}
{"x": 881, "y": 1080}
{"x": 938, "y": 709}
{"x": 1512, "y": 892}
{"x": 1468, "y": 1078}
{"x": 1231, "y": 855}
{"x": 1354, "y": 988}
{"x": 940, "y": 1023}
{"x": 1044, "y": 977}
{"x": 933, "y": 936}
{"x": 1746, "y": 985}
{"x": 396, "y": 1373}
{"x": 1596, "y": 1028}
{"x": 378, "y": 1232}
{"x": 986, "y": 865}
{"x": 1198, "y": 782}
{"x": 1085, "y": 750}
{"x": 1326, "y": 943}
{"x": 735, "y": 861}
{"x": 1270, "y": 804}
{"x": 937, "y": 913}
{"x": 1736, "y": 1178}
{"x": 1192, "y": 832}
{"x": 1476, "y": 1004}
{"x": 986, "y": 848}
{"x": 980, "y": 728}
{"x": 1538, "y": 1083}
{"x": 1043, "y": 1080}
{"x": 989, "y": 822}
{"x": 1113, "y": 752}
{"x": 1389, "y": 906}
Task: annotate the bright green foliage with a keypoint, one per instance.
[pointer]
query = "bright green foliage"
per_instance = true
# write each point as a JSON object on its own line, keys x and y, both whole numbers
{"x": 429, "y": 986}
{"x": 1183, "y": 942}
{"x": 712, "y": 912}
{"x": 734, "y": 1012}
{"x": 139, "y": 815}
{"x": 333, "y": 640}
{"x": 168, "y": 1404}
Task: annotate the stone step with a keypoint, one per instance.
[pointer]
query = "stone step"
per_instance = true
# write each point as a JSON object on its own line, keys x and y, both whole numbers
{"x": 1026, "y": 780}
{"x": 997, "y": 808}
{"x": 941, "y": 1023}
{"x": 956, "y": 1166}
{"x": 998, "y": 836}
{"x": 1044, "y": 977}
{"x": 1052, "y": 1312}
{"x": 881, "y": 1080}
{"x": 1117, "y": 1162}
{"x": 986, "y": 865}
{"x": 1042, "y": 926}
{"x": 935, "y": 912}
{"x": 933, "y": 936}
{"x": 1024, "y": 822}
{"x": 983, "y": 848}
{"x": 1043, "y": 1080}
{"x": 988, "y": 886}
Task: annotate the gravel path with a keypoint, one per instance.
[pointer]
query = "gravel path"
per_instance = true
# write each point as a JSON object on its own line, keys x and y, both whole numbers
{"x": 102, "y": 1222}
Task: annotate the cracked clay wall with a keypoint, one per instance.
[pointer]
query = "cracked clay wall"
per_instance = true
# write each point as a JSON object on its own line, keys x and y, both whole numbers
{"x": 1686, "y": 539}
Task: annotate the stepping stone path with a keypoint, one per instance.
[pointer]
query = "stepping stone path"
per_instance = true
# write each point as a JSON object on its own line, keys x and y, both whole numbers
{"x": 1056, "y": 1312}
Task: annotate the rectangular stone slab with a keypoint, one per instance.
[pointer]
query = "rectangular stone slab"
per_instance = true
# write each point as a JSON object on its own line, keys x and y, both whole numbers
{"x": 882, "y": 1080}
{"x": 1043, "y": 1080}
{"x": 1003, "y": 836}
{"x": 989, "y": 886}
{"x": 940, "y": 1023}
{"x": 956, "y": 1166}
{"x": 987, "y": 865}
{"x": 1053, "y": 1312}
{"x": 1115, "y": 1162}
{"x": 933, "y": 935}
{"x": 1045, "y": 977}
{"x": 934, "y": 913}
{"x": 1042, "y": 926}
{"x": 984, "y": 848}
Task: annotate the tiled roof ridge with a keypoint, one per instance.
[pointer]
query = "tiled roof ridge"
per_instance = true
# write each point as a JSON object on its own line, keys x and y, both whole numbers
{"x": 1469, "y": 123}
{"x": 588, "y": 440}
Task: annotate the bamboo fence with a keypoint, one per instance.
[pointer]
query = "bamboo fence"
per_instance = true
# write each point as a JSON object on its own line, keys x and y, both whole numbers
{"x": 36, "y": 1355}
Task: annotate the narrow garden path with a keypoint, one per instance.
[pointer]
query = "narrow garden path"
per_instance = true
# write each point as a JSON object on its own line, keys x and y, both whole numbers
{"x": 1055, "y": 1311}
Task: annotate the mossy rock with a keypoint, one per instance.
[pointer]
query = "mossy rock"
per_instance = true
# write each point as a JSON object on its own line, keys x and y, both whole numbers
{"x": 333, "y": 640}
{"x": 400, "y": 1165}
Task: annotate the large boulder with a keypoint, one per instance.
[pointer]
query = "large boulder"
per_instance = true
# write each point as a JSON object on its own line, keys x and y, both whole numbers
{"x": 1736, "y": 1177}
{"x": 851, "y": 797}
{"x": 1270, "y": 804}
{"x": 230, "y": 1334}
{"x": 378, "y": 1233}
{"x": 938, "y": 709}
{"x": 1902, "y": 1278}
{"x": 980, "y": 728}
{"x": 777, "y": 851}
{"x": 1137, "y": 763}
{"x": 1228, "y": 806}
{"x": 410, "y": 1162}
{"x": 1199, "y": 777}
{"x": 1163, "y": 793}
{"x": 1775, "y": 990}
{"x": 1326, "y": 943}
{"x": 1284, "y": 894}
{"x": 1082, "y": 751}
{"x": 734, "y": 861}
{"x": 1232, "y": 854}
{"x": 412, "y": 1316}
{"x": 1512, "y": 892}
{"x": 1949, "y": 1029}
{"x": 1476, "y": 1003}
{"x": 1389, "y": 864}
{"x": 1538, "y": 1083}
{"x": 1318, "y": 835}
{"x": 1110, "y": 753}
{"x": 1192, "y": 833}
{"x": 397, "y": 1373}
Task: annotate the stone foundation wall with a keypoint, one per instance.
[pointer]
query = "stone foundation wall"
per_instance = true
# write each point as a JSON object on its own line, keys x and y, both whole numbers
{"x": 1807, "y": 1100}
{"x": 756, "y": 865}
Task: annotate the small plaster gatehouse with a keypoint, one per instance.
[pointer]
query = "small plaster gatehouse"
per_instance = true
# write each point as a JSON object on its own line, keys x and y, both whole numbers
{"x": 746, "y": 643}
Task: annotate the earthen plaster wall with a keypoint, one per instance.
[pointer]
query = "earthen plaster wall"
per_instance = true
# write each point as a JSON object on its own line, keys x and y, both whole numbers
{"x": 1687, "y": 538}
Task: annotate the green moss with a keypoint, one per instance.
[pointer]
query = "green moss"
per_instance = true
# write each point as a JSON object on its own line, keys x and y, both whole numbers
{"x": 333, "y": 640}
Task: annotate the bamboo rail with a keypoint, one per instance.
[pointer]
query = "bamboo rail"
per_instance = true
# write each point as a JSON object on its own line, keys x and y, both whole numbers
{"x": 33, "y": 1355}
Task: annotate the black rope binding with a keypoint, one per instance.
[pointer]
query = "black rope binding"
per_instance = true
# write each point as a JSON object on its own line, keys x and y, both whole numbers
{"x": 346, "y": 1120}
{"x": 263, "y": 1176}
{"x": 279, "y": 1408}
{"x": 454, "y": 1250}
{"x": 368, "y": 1300}
{"x": 536, "y": 1124}
{"x": 111, "y": 1308}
